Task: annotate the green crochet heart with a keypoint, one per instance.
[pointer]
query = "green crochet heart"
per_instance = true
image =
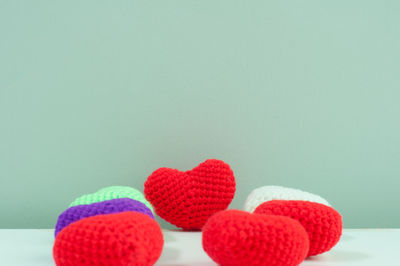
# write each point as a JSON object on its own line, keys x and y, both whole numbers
{"x": 113, "y": 192}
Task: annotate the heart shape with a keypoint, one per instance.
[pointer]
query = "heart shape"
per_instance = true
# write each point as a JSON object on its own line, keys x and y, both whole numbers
{"x": 236, "y": 237}
{"x": 125, "y": 238}
{"x": 109, "y": 193}
{"x": 322, "y": 223}
{"x": 188, "y": 198}
{"x": 79, "y": 212}
{"x": 267, "y": 193}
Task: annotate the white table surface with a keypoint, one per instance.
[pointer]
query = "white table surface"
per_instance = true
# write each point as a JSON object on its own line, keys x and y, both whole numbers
{"x": 364, "y": 247}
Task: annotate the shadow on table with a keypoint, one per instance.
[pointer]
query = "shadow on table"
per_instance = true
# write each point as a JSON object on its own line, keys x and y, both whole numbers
{"x": 192, "y": 264}
{"x": 184, "y": 231}
{"x": 168, "y": 238}
{"x": 170, "y": 255}
{"x": 346, "y": 237}
{"x": 338, "y": 256}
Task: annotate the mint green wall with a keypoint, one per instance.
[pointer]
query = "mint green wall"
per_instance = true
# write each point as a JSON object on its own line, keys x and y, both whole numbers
{"x": 304, "y": 94}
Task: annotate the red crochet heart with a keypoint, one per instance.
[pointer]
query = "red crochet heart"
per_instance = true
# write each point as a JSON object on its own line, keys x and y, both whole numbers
{"x": 188, "y": 199}
{"x": 322, "y": 223}
{"x": 236, "y": 237}
{"x": 118, "y": 239}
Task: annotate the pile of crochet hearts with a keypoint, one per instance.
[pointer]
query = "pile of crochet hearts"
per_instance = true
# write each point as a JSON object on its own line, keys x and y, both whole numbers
{"x": 116, "y": 226}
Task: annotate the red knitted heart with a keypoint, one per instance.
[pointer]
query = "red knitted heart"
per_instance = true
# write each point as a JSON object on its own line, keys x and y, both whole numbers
{"x": 118, "y": 239}
{"x": 322, "y": 223}
{"x": 236, "y": 237}
{"x": 188, "y": 199}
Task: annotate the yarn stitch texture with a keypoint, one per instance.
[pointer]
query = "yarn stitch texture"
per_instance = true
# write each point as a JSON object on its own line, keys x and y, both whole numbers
{"x": 240, "y": 238}
{"x": 126, "y": 238}
{"x": 322, "y": 223}
{"x": 267, "y": 193}
{"x": 188, "y": 199}
{"x": 113, "y": 192}
{"x": 79, "y": 212}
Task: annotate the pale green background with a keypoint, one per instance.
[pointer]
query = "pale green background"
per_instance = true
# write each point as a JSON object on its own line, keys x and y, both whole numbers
{"x": 304, "y": 94}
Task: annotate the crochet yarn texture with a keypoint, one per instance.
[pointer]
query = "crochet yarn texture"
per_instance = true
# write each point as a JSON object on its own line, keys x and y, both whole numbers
{"x": 188, "y": 199}
{"x": 322, "y": 223}
{"x": 126, "y": 238}
{"x": 79, "y": 212}
{"x": 266, "y": 193}
{"x": 240, "y": 238}
{"x": 113, "y": 192}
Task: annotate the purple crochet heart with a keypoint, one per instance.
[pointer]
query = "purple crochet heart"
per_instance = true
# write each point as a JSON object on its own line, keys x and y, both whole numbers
{"x": 79, "y": 212}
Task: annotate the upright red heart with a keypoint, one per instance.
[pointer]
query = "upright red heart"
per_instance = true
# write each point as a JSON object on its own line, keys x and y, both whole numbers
{"x": 188, "y": 199}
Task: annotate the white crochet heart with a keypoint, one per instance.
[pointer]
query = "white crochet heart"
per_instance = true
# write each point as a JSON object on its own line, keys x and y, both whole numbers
{"x": 267, "y": 193}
